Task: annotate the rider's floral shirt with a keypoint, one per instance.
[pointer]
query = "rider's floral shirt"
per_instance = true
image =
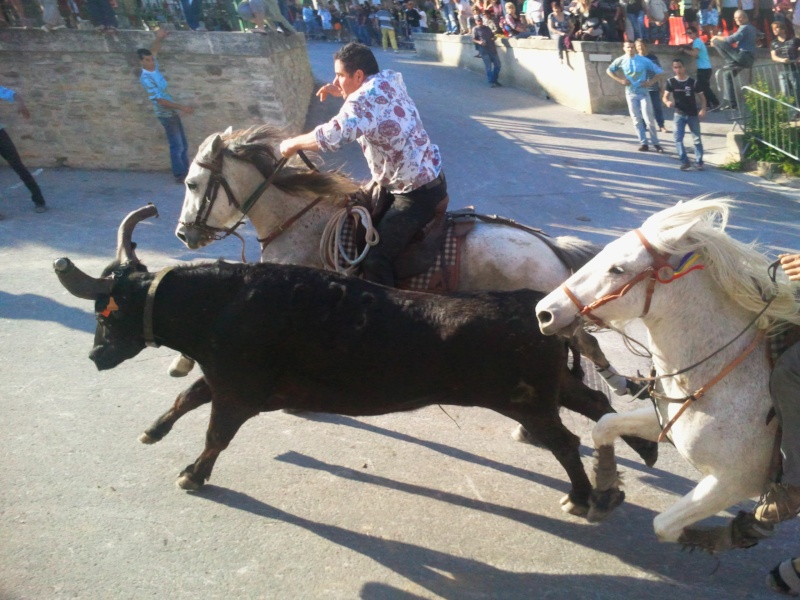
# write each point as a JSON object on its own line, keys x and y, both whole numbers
{"x": 384, "y": 120}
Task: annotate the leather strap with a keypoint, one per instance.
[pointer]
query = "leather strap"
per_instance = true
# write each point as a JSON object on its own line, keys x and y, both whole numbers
{"x": 149, "y": 337}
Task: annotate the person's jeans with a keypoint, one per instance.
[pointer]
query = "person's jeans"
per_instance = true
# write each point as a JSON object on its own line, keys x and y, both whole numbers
{"x": 704, "y": 85}
{"x": 681, "y": 121}
{"x": 9, "y": 152}
{"x": 637, "y": 22}
{"x": 641, "y": 110}
{"x": 491, "y": 60}
{"x": 658, "y": 110}
{"x": 790, "y": 84}
{"x": 178, "y": 147}
{"x": 449, "y": 15}
{"x": 783, "y": 387}
{"x": 101, "y": 13}
{"x": 193, "y": 11}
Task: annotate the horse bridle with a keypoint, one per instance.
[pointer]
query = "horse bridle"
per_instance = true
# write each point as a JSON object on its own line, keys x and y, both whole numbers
{"x": 659, "y": 271}
{"x": 217, "y": 180}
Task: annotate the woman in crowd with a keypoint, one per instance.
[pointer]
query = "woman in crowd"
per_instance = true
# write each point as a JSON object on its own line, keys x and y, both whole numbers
{"x": 560, "y": 27}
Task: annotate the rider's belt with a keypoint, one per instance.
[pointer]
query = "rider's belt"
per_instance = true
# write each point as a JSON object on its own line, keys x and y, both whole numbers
{"x": 432, "y": 184}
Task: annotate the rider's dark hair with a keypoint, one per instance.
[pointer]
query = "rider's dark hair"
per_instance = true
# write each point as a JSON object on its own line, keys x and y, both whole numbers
{"x": 142, "y": 52}
{"x": 355, "y": 56}
{"x": 677, "y": 60}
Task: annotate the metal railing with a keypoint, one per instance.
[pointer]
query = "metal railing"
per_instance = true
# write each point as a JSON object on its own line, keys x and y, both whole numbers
{"x": 765, "y": 101}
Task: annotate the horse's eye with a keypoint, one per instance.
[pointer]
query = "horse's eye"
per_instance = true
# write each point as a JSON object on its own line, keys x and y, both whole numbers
{"x": 615, "y": 270}
{"x": 191, "y": 186}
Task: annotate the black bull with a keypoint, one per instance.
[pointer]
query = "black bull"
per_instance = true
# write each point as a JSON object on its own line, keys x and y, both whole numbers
{"x": 271, "y": 337}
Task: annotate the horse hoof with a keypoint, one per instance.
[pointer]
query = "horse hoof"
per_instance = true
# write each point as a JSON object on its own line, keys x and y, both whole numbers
{"x": 523, "y": 436}
{"x": 570, "y": 507}
{"x": 148, "y": 439}
{"x": 601, "y": 504}
{"x": 186, "y": 482}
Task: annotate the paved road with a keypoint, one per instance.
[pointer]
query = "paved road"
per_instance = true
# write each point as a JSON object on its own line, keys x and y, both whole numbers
{"x": 400, "y": 506}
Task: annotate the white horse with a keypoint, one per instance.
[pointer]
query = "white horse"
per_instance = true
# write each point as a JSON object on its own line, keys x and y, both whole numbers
{"x": 695, "y": 289}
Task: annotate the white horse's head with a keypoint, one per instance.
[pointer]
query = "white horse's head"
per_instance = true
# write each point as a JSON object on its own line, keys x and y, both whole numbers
{"x": 627, "y": 277}
{"x": 207, "y": 197}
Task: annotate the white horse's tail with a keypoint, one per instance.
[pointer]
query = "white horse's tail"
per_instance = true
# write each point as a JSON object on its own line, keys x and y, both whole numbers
{"x": 573, "y": 252}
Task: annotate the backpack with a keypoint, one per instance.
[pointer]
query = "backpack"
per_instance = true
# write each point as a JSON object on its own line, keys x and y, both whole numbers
{"x": 657, "y": 10}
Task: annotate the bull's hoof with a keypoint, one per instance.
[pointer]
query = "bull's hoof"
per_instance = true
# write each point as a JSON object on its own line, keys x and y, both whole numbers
{"x": 187, "y": 482}
{"x": 181, "y": 366}
{"x": 569, "y": 506}
{"x": 145, "y": 438}
{"x": 602, "y": 503}
{"x": 523, "y": 436}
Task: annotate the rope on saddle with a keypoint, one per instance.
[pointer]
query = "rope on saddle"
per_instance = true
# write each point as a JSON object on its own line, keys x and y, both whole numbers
{"x": 333, "y": 251}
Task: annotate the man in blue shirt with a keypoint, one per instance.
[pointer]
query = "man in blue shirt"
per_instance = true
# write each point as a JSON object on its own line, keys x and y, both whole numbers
{"x": 9, "y": 152}
{"x": 638, "y": 74}
{"x": 741, "y": 57}
{"x": 166, "y": 108}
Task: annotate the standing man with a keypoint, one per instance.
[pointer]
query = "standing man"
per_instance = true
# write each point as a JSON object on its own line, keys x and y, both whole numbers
{"x": 388, "y": 35}
{"x": 464, "y": 15}
{"x": 699, "y": 51}
{"x": 166, "y": 108}
{"x": 740, "y": 57}
{"x": 637, "y": 74}
{"x": 9, "y": 152}
{"x": 680, "y": 93}
{"x": 379, "y": 114}
{"x": 484, "y": 38}
{"x": 413, "y": 17}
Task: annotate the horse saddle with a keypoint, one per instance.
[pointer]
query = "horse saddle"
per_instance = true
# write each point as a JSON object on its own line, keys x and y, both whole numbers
{"x": 430, "y": 261}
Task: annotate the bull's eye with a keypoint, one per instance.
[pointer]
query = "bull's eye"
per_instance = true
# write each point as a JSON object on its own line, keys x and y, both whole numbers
{"x": 615, "y": 270}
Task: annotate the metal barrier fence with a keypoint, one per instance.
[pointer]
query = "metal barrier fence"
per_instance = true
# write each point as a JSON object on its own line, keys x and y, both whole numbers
{"x": 765, "y": 101}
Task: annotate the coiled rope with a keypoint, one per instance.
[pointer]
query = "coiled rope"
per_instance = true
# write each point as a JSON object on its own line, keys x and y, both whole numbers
{"x": 332, "y": 250}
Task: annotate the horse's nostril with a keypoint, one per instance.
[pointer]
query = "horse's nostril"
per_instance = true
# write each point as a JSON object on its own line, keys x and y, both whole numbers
{"x": 545, "y": 317}
{"x": 181, "y": 236}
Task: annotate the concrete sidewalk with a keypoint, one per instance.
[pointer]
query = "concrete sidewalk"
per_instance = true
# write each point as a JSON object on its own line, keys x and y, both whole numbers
{"x": 395, "y": 507}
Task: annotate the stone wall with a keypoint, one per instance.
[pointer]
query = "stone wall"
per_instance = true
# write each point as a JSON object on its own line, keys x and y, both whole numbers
{"x": 88, "y": 109}
{"x": 532, "y": 64}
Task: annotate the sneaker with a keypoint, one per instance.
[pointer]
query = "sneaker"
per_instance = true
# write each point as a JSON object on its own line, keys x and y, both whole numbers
{"x": 644, "y": 148}
{"x": 658, "y": 148}
{"x": 714, "y": 108}
{"x": 40, "y": 208}
{"x": 785, "y": 578}
{"x": 781, "y": 502}
{"x": 494, "y": 85}
{"x": 498, "y": 84}
{"x": 700, "y": 166}
{"x": 260, "y": 30}
{"x": 686, "y": 166}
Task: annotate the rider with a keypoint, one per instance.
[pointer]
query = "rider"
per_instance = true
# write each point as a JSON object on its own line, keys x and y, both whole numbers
{"x": 380, "y": 115}
{"x": 782, "y": 501}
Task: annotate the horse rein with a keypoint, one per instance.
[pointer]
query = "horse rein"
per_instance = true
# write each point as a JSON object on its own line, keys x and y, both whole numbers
{"x": 211, "y": 193}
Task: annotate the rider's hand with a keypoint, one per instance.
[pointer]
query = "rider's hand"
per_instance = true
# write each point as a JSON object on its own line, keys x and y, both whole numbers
{"x": 328, "y": 88}
{"x": 287, "y": 148}
{"x": 791, "y": 265}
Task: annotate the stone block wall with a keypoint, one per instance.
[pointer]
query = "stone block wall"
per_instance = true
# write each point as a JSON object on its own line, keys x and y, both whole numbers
{"x": 89, "y": 110}
{"x": 532, "y": 64}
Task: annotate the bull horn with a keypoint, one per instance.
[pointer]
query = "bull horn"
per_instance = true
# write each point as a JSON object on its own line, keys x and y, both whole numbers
{"x": 79, "y": 283}
{"x": 125, "y": 251}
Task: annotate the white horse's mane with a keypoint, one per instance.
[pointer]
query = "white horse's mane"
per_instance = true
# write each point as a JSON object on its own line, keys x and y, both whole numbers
{"x": 739, "y": 269}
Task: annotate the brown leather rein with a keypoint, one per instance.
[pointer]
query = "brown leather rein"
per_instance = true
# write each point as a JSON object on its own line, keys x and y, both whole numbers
{"x": 662, "y": 272}
{"x": 217, "y": 180}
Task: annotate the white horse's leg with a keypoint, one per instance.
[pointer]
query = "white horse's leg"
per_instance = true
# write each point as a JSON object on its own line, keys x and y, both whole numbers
{"x": 709, "y": 497}
{"x": 606, "y": 496}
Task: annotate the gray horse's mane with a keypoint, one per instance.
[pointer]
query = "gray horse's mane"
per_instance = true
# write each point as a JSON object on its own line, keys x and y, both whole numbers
{"x": 259, "y": 146}
{"x": 574, "y": 252}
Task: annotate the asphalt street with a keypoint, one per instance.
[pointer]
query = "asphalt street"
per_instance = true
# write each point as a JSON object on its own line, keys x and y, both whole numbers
{"x": 417, "y": 505}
